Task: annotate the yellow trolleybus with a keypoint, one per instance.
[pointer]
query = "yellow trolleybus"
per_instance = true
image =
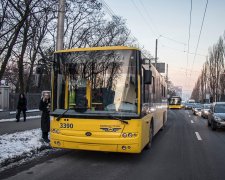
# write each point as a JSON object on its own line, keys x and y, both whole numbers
{"x": 106, "y": 99}
{"x": 175, "y": 102}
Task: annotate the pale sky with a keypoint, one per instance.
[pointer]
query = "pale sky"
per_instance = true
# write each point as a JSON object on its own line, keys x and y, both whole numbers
{"x": 148, "y": 19}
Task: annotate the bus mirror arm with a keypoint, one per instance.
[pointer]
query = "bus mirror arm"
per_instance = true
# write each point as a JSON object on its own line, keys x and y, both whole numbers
{"x": 61, "y": 115}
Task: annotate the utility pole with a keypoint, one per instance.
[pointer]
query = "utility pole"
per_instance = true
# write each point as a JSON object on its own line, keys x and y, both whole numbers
{"x": 167, "y": 73}
{"x": 156, "y": 49}
{"x": 60, "y": 26}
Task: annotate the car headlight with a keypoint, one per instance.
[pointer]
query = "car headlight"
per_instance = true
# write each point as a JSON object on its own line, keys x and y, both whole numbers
{"x": 217, "y": 118}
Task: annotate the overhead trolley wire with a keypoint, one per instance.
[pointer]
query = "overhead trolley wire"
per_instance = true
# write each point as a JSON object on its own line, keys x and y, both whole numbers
{"x": 139, "y": 11}
{"x": 149, "y": 16}
{"x": 200, "y": 33}
{"x": 199, "y": 36}
{"x": 108, "y": 9}
{"x": 113, "y": 15}
{"x": 189, "y": 36}
{"x": 171, "y": 39}
{"x": 157, "y": 34}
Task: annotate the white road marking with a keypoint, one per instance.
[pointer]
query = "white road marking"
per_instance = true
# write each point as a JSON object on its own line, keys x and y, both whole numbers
{"x": 198, "y": 136}
{"x": 192, "y": 121}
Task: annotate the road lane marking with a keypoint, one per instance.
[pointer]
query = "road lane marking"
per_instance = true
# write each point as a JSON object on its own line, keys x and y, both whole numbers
{"x": 192, "y": 121}
{"x": 198, "y": 136}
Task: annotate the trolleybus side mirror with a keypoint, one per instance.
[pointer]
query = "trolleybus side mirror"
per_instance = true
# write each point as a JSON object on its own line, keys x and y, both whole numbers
{"x": 147, "y": 76}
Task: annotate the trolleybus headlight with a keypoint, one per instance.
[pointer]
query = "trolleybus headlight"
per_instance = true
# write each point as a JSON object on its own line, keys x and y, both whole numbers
{"x": 124, "y": 147}
{"x": 130, "y": 135}
{"x": 124, "y": 135}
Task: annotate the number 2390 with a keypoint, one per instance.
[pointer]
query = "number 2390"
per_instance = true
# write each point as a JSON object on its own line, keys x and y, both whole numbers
{"x": 66, "y": 125}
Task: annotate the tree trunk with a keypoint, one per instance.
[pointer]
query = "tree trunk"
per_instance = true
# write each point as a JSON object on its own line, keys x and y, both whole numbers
{"x": 10, "y": 48}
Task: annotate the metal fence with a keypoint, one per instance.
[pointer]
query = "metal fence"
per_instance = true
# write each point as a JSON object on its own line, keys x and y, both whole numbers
{"x": 33, "y": 100}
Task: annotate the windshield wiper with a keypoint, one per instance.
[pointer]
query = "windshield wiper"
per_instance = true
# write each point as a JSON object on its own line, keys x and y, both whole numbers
{"x": 61, "y": 115}
{"x": 121, "y": 120}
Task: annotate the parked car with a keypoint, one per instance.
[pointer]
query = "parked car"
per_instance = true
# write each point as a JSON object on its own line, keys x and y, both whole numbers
{"x": 205, "y": 110}
{"x": 216, "y": 116}
{"x": 197, "y": 109}
{"x": 194, "y": 106}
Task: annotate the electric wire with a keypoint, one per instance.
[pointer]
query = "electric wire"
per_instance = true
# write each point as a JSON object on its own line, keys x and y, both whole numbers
{"x": 113, "y": 15}
{"x": 203, "y": 19}
{"x": 149, "y": 16}
{"x": 189, "y": 36}
{"x": 157, "y": 34}
{"x": 199, "y": 34}
{"x": 143, "y": 17}
{"x": 182, "y": 51}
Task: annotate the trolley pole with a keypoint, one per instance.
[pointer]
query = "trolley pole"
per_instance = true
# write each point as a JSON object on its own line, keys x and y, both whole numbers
{"x": 60, "y": 26}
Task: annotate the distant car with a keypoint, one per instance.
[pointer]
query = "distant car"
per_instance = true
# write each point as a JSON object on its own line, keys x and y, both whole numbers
{"x": 182, "y": 105}
{"x": 216, "y": 116}
{"x": 205, "y": 110}
{"x": 196, "y": 105}
{"x": 197, "y": 109}
{"x": 189, "y": 105}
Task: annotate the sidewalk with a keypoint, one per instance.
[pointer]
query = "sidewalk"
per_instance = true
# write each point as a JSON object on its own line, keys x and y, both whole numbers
{"x": 11, "y": 115}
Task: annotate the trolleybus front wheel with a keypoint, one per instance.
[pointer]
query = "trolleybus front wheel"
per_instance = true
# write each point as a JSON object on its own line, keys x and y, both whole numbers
{"x": 151, "y": 133}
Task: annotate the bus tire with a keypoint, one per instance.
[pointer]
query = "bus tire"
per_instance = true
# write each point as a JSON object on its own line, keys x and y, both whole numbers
{"x": 213, "y": 126}
{"x": 209, "y": 124}
{"x": 151, "y": 133}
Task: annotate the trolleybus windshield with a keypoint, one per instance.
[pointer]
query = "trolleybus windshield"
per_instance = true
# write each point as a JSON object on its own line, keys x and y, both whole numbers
{"x": 174, "y": 101}
{"x": 98, "y": 80}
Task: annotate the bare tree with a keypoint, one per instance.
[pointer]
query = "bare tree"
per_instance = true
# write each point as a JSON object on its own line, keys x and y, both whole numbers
{"x": 211, "y": 79}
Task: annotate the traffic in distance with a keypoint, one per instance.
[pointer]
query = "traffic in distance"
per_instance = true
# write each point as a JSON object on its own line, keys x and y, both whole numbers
{"x": 214, "y": 112}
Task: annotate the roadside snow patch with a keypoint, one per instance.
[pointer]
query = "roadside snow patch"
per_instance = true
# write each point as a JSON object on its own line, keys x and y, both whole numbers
{"x": 19, "y": 145}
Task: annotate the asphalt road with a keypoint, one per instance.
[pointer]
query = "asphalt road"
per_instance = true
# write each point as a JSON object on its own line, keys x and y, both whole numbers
{"x": 185, "y": 150}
